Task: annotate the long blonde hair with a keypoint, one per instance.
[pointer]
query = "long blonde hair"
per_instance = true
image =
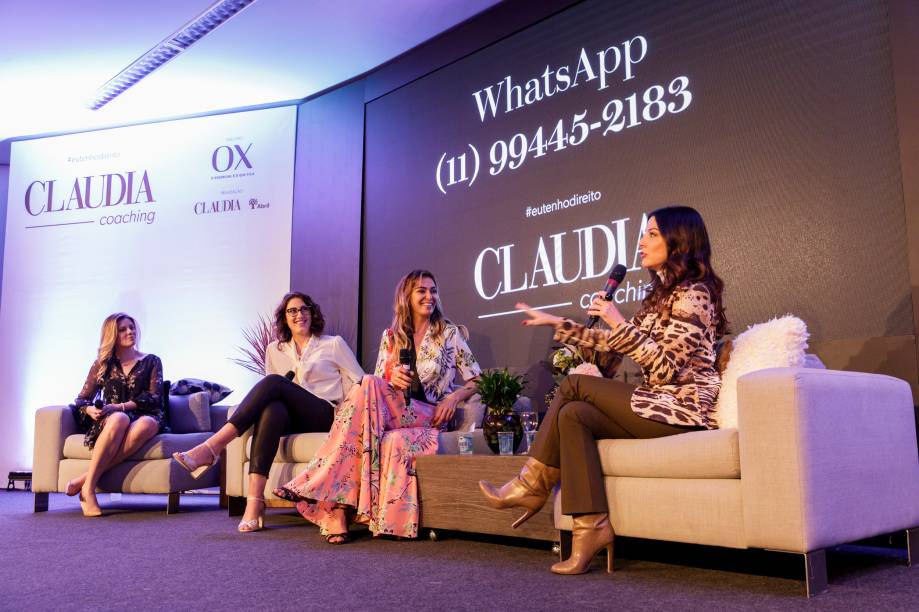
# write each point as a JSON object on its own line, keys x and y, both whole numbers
{"x": 401, "y": 327}
{"x": 109, "y": 337}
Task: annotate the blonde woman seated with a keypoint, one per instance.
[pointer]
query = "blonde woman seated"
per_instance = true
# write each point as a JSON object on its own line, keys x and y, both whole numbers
{"x": 364, "y": 470}
{"x": 130, "y": 410}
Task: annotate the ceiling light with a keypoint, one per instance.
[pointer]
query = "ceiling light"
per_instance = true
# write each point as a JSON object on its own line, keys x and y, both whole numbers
{"x": 190, "y": 33}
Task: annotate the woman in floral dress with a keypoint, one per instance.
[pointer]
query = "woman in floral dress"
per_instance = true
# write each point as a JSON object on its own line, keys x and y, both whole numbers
{"x": 364, "y": 471}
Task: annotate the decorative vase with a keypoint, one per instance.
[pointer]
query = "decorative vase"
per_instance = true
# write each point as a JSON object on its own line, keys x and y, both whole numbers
{"x": 496, "y": 421}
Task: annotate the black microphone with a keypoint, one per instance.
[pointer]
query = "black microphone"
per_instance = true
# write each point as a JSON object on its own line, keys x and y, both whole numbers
{"x": 615, "y": 277}
{"x": 405, "y": 358}
{"x": 98, "y": 404}
{"x": 290, "y": 375}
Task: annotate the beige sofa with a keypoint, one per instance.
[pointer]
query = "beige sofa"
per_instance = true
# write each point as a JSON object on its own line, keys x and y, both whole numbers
{"x": 819, "y": 458}
{"x": 60, "y": 455}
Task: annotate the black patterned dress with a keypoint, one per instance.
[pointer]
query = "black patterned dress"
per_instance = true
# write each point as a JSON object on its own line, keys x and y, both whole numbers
{"x": 142, "y": 385}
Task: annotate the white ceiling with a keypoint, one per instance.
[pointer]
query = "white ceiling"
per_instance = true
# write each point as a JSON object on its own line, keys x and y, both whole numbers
{"x": 54, "y": 54}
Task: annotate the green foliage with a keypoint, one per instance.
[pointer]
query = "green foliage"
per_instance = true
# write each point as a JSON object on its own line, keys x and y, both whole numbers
{"x": 499, "y": 389}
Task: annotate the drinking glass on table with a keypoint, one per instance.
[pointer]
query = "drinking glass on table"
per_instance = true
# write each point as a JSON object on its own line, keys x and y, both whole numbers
{"x": 529, "y": 420}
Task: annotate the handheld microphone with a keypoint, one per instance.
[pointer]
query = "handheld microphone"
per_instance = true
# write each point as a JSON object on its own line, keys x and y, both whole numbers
{"x": 615, "y": 277}
{"x": 98, "y": 404}
{"x": 290, "y": 375}
{"x": 405, "y": 358}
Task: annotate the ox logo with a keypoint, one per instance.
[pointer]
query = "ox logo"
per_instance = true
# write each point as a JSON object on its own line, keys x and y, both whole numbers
{"x": 226, "y": 157}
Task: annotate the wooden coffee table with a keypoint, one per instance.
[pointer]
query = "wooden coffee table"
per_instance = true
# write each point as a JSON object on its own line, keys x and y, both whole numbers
{"x": 448, "y": 491}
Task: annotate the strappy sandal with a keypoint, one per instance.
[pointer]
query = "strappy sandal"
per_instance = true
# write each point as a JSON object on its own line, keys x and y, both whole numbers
{"x": 256, "y": 524}
{"x": 344, "y": 538}
{"x": 196, "y": 469}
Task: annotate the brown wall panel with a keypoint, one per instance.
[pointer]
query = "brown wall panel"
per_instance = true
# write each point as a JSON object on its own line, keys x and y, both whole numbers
{"x": 325, "y": 242}
{"x": 904, "y": 44}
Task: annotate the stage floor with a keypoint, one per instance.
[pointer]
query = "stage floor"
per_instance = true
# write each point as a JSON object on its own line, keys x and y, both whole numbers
{"x": 138, "y": 557}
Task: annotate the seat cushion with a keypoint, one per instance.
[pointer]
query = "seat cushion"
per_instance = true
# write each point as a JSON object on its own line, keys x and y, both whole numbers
{"x": 698, "y": 454}
{"x": 295, "y": 448}
{"x": 159, "y": 447}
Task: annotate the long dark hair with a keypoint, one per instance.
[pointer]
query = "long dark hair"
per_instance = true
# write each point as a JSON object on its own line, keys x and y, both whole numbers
{"x": 689, "y": 254}
{"x": 317, "y": 321}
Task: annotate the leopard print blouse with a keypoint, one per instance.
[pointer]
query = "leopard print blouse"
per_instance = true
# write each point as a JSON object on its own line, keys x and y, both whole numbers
{"x": 675, "y": 348}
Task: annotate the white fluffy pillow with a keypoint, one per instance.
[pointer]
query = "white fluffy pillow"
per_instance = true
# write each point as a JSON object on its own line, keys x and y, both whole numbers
{"x": 779, "y": 343}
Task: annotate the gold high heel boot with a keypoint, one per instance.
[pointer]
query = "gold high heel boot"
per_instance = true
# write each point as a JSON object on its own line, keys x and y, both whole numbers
{"x": 592, "y": 533}
{"x": 529, "y": 489}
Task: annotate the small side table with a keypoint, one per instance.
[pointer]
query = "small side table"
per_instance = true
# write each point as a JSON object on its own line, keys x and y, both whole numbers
{"x": 448, "y": 492}
{"x": 23, "y": 475}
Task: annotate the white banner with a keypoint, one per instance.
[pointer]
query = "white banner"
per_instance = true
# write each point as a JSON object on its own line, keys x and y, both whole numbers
{"x": 185, "y": 225}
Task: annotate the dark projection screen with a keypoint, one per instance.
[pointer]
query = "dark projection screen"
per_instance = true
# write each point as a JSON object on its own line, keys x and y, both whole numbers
{"x": 523, "y": 172}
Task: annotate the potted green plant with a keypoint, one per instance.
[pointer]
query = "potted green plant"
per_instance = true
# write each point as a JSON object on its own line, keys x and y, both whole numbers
{"x": 499, "y": 389}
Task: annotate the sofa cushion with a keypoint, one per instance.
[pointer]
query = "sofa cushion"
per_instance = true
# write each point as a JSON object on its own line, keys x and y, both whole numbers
{"x": 295, "y": 448}
{"x": 711, "y": 453}
{"x": 159, "y": 447}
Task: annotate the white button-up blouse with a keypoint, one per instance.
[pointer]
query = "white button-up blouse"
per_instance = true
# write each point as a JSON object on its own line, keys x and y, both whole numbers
{"x": 326, "y": 368}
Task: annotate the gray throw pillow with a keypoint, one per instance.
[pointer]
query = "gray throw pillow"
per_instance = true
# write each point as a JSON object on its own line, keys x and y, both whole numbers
{"x": 190, "y": 413}
{"x": 187, "y": 386}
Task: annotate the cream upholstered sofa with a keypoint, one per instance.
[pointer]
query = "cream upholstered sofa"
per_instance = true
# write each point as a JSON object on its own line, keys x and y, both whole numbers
{"x": 60, "y": 455}
{"x": 819, "y": 458}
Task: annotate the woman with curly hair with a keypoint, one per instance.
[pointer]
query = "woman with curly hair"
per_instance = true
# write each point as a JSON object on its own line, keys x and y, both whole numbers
{"x": 304, "y": 375}
{"x": 365, "y": 469}
{"x": 672, "y": 338}
{"x": 129, "y": 412}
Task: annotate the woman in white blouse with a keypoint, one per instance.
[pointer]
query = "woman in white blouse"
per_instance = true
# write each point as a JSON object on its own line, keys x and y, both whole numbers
{"x": 304, "y": 376}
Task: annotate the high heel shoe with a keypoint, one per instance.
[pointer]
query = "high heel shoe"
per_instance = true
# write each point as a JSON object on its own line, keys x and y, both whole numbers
{"x": 343, "y": 537}
{"x": 195, "y": 468}
{"x": 592, "y": 533}
{"x": 72, "y": 489}
{"x": 84, "y": 505}
{"x": 529, "y": 489}
{"x": 256, "y": 524}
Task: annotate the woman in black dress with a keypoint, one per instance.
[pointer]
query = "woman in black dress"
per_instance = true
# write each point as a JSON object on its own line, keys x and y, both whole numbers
{"x": 120, "y": 406}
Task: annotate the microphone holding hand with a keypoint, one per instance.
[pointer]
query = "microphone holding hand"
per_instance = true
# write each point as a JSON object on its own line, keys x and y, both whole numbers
{"x": 615, "y": 278}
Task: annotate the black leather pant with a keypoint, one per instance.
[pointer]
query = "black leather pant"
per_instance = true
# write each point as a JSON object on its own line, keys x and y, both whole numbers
{"x": 276, "y": 407}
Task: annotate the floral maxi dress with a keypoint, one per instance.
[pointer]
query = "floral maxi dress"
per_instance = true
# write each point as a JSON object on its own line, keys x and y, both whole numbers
{"x": 367, "y": 462}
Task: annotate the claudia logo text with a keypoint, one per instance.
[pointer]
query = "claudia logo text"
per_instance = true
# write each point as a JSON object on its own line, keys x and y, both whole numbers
{"x": 131, "y": 187}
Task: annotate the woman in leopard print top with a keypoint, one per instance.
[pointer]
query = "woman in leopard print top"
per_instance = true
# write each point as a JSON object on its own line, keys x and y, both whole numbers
{"x": 672, "y": 339}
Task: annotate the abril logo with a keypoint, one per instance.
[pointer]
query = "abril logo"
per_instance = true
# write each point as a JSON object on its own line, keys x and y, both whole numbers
{"x": 226, "y": 157}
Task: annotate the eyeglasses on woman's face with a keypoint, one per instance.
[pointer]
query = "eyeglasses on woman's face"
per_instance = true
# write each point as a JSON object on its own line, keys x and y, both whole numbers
{"x": 303, "y": 311}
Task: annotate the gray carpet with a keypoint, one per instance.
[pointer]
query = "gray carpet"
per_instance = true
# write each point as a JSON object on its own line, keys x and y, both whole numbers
{"x": 136, "y": 557}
